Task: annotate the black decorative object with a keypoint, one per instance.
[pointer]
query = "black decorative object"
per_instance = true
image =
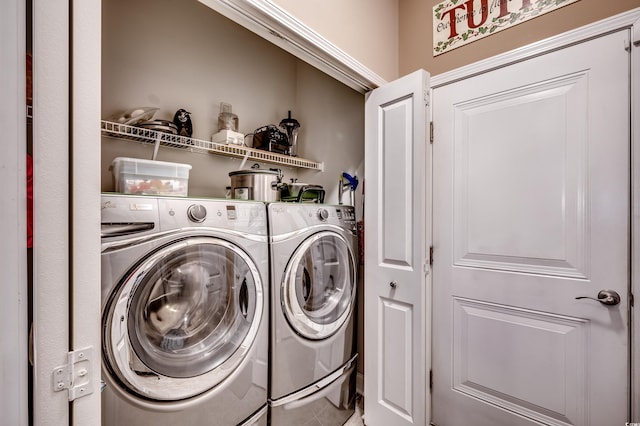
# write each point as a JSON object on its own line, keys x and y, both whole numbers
{"x": 182, "y": 119}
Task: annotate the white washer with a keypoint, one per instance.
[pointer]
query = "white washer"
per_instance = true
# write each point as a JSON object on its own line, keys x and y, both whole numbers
{"x": 313, "y": 294}
{"x": 185, "y": 311}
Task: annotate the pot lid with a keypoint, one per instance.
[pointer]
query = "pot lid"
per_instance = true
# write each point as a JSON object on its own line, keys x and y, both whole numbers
{"x": 301, "y": 184}
{"x": 254, "y": 172}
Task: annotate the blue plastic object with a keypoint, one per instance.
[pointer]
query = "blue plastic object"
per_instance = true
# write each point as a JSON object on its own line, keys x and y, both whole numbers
{"x": 353, "y": 180}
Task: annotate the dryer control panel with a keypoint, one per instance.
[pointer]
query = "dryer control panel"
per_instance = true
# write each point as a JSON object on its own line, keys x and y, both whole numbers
{"x": 346, "y": 213}
{"x": 291, "y": 217}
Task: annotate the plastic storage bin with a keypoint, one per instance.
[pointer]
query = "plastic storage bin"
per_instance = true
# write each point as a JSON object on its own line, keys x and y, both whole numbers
{"x": 149, "y": 177}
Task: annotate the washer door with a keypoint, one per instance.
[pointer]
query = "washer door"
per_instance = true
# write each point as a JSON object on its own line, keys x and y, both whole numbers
{"x": 319, "y": 285}
{"x": 183, "y": 319}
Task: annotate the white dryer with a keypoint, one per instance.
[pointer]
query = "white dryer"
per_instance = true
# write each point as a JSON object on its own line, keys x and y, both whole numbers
{"x": 185, "y": 311}
{"x": 313, "y": 293}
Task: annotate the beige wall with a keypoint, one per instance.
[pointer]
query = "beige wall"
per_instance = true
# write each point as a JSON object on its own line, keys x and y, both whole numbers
{"x": 416, "y": 38}
{"x": 365, "y": 29}
{"x": 189, "y": 56}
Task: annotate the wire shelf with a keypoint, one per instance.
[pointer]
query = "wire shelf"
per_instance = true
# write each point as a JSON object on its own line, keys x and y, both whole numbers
{"x": 139, "y": 134}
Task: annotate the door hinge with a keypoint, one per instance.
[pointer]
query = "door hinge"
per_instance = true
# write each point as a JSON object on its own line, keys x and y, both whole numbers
{"x": 631, "y": 299}
{"x": 431, "y": 379}
{"x": 430, "y": 255}
{"x": 431, "y": 132}
{"x": 75, "y": 375}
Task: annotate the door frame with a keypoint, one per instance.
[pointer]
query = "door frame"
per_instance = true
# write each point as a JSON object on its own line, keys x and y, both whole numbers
{"x": 627, "y": 20}
{"x": 13, "y": 227}
{"x": 66, "y": 213}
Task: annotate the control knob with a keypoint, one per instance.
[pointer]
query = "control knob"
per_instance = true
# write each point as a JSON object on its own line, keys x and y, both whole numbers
{"x": 197, "y": 213}
{"x": 323, "y": 214}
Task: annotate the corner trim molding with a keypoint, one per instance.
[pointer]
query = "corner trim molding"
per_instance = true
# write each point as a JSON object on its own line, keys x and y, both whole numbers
{"x": 274, "y": 24}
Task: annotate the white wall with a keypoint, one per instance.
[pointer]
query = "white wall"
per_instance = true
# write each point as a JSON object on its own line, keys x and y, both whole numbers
{"x": 189, "y": 56}
{"x": 368, "y": 30}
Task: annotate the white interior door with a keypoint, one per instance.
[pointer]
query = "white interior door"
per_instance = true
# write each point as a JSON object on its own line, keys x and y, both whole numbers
{"x": 531, "y": 211}
{"x": 397, "y": 163}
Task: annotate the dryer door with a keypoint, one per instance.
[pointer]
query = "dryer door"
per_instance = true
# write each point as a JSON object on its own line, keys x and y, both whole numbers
{"x": 183, "y": 318}
{"x": 319, "y": 285}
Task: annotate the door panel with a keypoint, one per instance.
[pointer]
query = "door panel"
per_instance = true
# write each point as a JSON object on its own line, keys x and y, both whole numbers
{"x": 395, "y": 352}
{"x": 396, "y": 246}
{"x": 545, "y": 352}
{"x": 531, "y": 210}
{"x": 526, "y": 214}
{"x": 396, "y": 174}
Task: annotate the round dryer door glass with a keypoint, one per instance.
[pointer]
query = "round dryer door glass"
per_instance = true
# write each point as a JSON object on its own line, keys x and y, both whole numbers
{"x": 188, "y": 311}
{"x": 319, "y": 285}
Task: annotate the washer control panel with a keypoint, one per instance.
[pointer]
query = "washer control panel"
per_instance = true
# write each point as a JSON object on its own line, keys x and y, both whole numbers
{"x": 243, "y": 216}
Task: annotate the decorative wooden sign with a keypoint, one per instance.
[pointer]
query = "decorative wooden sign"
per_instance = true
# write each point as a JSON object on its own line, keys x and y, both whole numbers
{"x": 458, "y": 22}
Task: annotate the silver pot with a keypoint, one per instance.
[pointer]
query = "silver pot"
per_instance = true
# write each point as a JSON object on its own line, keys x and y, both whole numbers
{"x": 256, "y": 184}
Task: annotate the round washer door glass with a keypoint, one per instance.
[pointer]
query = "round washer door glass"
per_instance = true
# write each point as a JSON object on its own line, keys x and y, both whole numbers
{"x": 184, "y": 318}
{"x": 319, "y": 285}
